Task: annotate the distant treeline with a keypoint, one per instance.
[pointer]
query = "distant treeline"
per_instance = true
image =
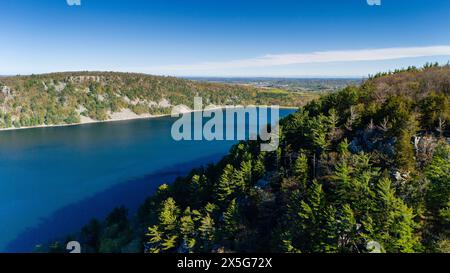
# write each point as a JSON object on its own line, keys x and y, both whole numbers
{"x": 319, "y": 85}
{"x": 63, "y": 98}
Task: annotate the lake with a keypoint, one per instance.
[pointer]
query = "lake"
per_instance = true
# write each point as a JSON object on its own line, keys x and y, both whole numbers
{"x": 54, "y": 180}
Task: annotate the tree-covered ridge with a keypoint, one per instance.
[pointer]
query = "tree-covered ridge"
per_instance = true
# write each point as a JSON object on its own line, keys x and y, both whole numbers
{"x": 365, "y": 169}
{"x": 67, "y": 98}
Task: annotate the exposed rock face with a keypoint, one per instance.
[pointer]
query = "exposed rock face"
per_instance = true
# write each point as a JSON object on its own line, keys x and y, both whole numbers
{"x": 164, "y": 103}
{"x": 424, "y": 147}
{"x": 60, "y": 86}
{"x": 80, "y": 109}
{"x": 401, "y": 177}
{"x": 126, "y": 114}
{"x": 84, "y": 119}
{"x": 6, "y": 91}
{"x": 372, "y": 139}
{"x": 180, "y": 109}
{"x": 83, "y": 79}
{"x": 101, "y": 98}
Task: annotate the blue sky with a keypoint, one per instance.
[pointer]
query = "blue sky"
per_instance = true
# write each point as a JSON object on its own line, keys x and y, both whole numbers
{"x": 223, "y": 38}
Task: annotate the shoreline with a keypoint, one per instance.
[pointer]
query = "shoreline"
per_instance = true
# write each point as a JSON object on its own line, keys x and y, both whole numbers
{"x": 81, "y": 123}
{"x": 117, "y": 119}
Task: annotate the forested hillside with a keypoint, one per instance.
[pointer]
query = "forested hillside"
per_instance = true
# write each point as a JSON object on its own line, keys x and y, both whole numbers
{"x": 365, "y": 169}
{"x": 67, "y": 98}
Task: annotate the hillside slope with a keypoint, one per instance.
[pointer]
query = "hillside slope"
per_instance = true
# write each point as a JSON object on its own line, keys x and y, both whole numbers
{"x": 74, "y": 97}
{"x": 365, "y": 169}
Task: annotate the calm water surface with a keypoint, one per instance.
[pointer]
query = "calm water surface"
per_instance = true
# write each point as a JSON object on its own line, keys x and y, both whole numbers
{"x": 54, "y": 180}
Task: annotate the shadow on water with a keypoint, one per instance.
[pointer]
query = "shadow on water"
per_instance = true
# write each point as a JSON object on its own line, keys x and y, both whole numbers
{"x": 130, "y": 194}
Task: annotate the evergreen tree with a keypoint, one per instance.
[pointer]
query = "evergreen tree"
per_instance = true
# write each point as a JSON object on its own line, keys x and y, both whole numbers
{"x": 90, "y": 236}
{"x": 163, "y": 237}
{"x": 319, "y": 133}
{"x": 259, "y": 168}
{"x": 438, "y": 195}
{"x": 188, "y": 229}
{"x": 226, "y": 184}
{"x": 300, "y": 170}
{"x": 405, "y": 151}
{"x": 207, "y": 232}
{"x": 169, "y": 215}
{"x": 394, "y": 221}
{"x": 333, "y": 120}
{"x": 347, "y": 230}
{"x": 316, "y": 222}
{"x": 231, "y": 221}
{"x": 438, "y": 172}
{"x": 343, "y": 180}
{"x": 155, "y": 239}
{"x": 246, "y": 170}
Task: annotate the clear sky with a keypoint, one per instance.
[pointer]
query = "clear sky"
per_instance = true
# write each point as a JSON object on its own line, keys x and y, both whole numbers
{"x": 222, "y": 37}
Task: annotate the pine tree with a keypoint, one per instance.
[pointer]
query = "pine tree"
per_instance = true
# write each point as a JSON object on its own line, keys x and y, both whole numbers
{"x": 319, "y": 131}
{"x": 438, "y": 195}
{"x": 343, "y": 149}
{"x": 231, "y": 221}
{"x": 259, "y": 168}
{"x": 333, "y": 120}
{"x": 187, "y": 229}
{"x": 90, "y": 236}
{"x": 353, "y": 183}
{"x": 394, "y": 221}
{"x": 155, "y": 239}
{"x": 246, "y": 170}
{"x": 438, "y": 173}
{"x": 343, "y": 180}
{"x": 116, "y": 232}
{"x": 225, "y": 187}
{"x": 301, "y": 171}
{"x": 350, "y": 237}
{"x": 287, "y": 243}
{"x": 315, "y": 230}
{"x": 207, "y": 232}
{"x": 169, "y": 243}
{"x": 169, "y": 215}
{"x": 163, "y": 237}
{"x": 404, "y": 151}
{"x": 364, "y": 175}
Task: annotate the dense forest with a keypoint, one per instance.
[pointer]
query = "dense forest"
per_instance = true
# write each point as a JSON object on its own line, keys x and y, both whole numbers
{"x": 68, "y": 98}
{"x": 365, "y": 169}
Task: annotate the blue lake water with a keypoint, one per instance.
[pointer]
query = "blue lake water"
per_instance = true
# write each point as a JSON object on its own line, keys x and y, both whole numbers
{"x": 54, "y": 180}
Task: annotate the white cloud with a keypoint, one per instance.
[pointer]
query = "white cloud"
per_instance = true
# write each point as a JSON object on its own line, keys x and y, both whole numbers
{"x": 313, "y": 57}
